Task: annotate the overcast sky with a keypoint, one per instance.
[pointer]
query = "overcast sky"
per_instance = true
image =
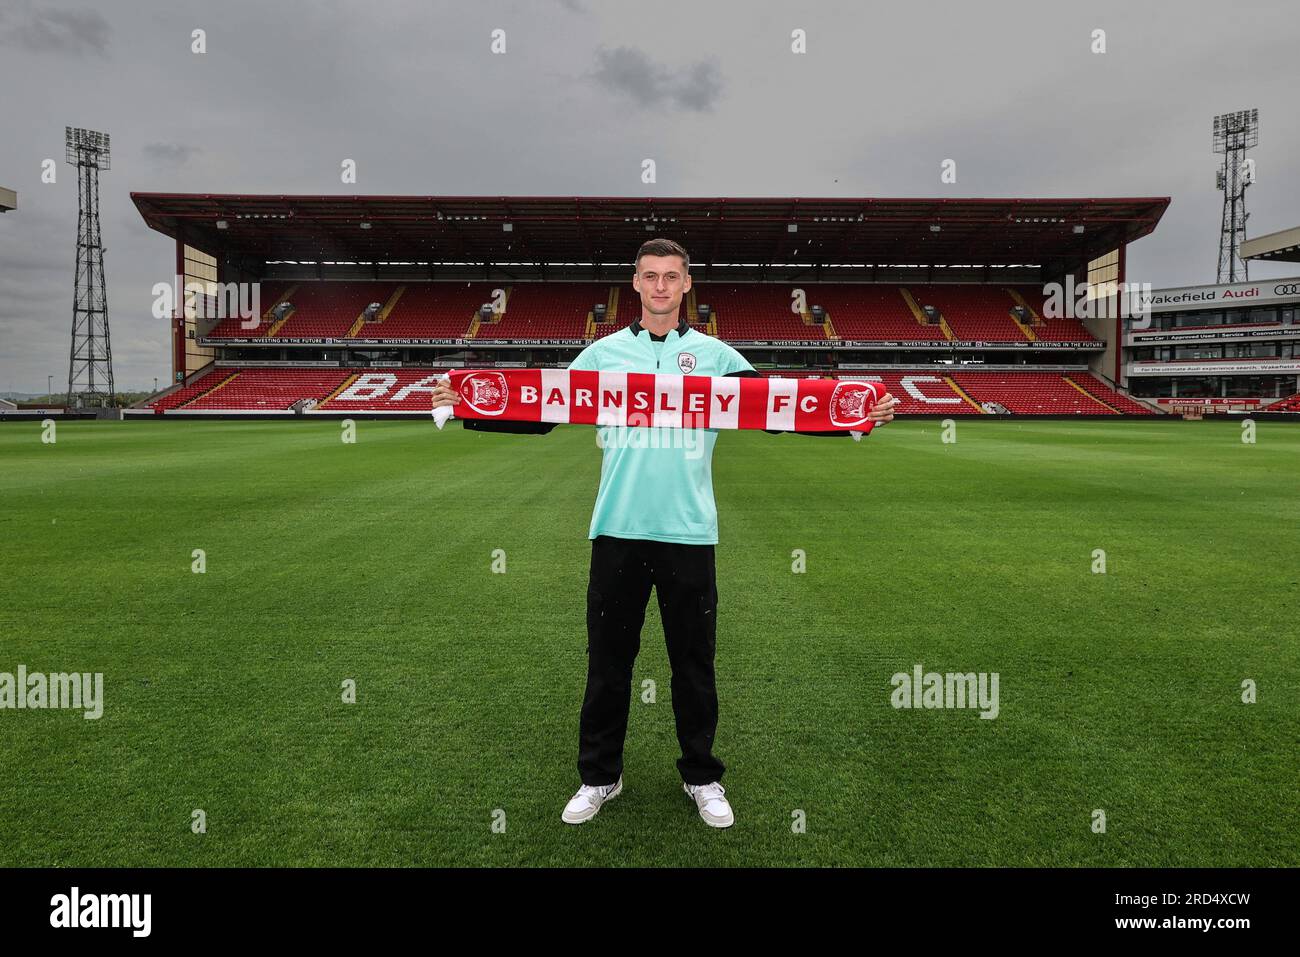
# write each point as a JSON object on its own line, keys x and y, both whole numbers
{"x": 711, "y": 90}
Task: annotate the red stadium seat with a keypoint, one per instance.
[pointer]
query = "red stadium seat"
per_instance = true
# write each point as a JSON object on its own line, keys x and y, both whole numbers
{"x": 744, "y": 312}
{"x": 257, "y": 389}
{"x": 553, "y": 310}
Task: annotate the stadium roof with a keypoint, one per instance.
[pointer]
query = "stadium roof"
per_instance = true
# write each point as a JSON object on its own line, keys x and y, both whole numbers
{"x": 8, "y": 200}
{"x": 1282, "y": 246}
{"x": 575, "y": 229}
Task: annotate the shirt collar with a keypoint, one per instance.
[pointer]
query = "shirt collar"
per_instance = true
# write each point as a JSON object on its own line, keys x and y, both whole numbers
{"x": 682, "y": 327}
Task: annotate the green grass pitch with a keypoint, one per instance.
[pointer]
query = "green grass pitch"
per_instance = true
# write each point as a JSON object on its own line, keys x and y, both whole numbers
{"x": 1119, "y": 692}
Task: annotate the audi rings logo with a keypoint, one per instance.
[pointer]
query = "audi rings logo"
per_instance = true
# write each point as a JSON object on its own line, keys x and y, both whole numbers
{"x": 1287, "y": 289}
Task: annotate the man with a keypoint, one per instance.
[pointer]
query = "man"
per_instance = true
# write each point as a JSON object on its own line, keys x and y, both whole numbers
{"x": 655, "y": 524}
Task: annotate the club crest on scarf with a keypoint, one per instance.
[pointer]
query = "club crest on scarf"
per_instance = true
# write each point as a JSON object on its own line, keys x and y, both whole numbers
{"x": 486, "y": 392}
{"x": 851, "y": 404}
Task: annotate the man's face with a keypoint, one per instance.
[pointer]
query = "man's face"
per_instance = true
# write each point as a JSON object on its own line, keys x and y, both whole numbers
{"x": 661, "y": 281}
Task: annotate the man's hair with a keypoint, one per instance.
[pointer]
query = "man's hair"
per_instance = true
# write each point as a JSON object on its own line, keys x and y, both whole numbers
{"x": 663, "y": 247}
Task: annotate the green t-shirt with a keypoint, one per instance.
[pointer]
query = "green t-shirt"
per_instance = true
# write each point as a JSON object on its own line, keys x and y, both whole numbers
{"x": 656, "y": 482}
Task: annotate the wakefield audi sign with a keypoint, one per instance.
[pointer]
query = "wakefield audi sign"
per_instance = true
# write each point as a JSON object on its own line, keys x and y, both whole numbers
{"x": 1246, "y": 294}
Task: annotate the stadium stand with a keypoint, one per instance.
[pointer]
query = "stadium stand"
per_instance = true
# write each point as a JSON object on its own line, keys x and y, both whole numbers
{"x": 1049, "y": 330}
{"x": 1111, "y": 397}
{"x": 271, "y": 292}
{"x": 385, "y": 390}
{"x": 330, "y": 309}
{"x": 190, "y": 391}
{"x": 745, "y": 312}
{"x": 742, "y": 312}
{"x": 923, "y": 392}
{"x": 431, "y": 310}
{"x": 871, "y": 312}
{"x": 407, "y": 390}
{"x": 1289, "y": 404}
{"x": 972, "y": 312}
{"x": 556, "y": 310}
{"x": 1031, "y": 393}
{"x": 321, "y": 310}
{"x": 256, "y": 390}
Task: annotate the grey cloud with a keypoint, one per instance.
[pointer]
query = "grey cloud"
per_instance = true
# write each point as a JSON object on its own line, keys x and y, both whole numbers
{"x": 700, "y": 88}
{"x": 632, "y": 73}
{"x": 73, "y": 32}
{"x": 169, "y": 154}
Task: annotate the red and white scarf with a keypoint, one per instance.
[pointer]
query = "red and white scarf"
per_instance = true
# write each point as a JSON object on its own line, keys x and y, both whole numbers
{"x": 581, "y": 397}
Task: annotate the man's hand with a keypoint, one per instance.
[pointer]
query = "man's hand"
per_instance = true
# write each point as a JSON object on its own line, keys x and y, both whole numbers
{"x": 444, "y": 394}
{"x": 883, "y": 411}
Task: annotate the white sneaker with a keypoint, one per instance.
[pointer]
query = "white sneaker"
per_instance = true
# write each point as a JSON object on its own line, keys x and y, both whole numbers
{"x": 584, "y": 805}
{"x": 712, "y": 804}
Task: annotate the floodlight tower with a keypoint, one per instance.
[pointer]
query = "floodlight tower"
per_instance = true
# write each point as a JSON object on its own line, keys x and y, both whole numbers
{"x": 1234, "y": 133}
{"x": 90, "y": 363}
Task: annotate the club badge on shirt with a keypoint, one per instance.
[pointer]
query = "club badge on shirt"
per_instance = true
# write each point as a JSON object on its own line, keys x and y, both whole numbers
{"x": 686, "y": 362}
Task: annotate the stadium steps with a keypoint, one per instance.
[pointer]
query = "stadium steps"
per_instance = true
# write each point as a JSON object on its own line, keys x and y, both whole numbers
{"x": 919, "y": 315}
{"x": 389, "y": 306}
{"x": 952, "y": 384}
{"x": 275, "y": 326}
{"x": 1025, "y": 328}
{"x": 917, "y": 312}
{"x": 611, "y": 311}
{"x": 1290, "y": 404}
{"x": 505, "y": 305}
{"x": 269, "y": 315}
{"x": 1035, "y": 318}
{"x": 1028, "y": 332}
{"x": 611, "y": 323}
{"x": 1101, "y": 388}
{"x": 194, "y": 385}
{"x": 168, "y": 390}
{"x": 345, "y": 384}
{"x": 1090, "y": 395}
{"x": 477, "y": 322}
{"x": 827, "y": 329}
{"x": 216, "y": 388}
{"x": 692, "y": 316}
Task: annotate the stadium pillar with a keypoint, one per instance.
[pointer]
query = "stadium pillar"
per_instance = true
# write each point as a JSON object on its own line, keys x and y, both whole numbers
{"x": 1119, "y": 318}
{"x": 178, "y": 315}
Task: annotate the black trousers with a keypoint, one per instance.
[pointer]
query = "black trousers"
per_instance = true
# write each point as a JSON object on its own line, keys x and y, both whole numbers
{"x": 683, "y": 576}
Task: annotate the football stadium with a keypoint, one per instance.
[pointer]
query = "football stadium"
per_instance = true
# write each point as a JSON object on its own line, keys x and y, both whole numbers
{"x": 1045, "y": 522}
{"x": 969, "y": 506}
{"x": 366, "y": 329}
